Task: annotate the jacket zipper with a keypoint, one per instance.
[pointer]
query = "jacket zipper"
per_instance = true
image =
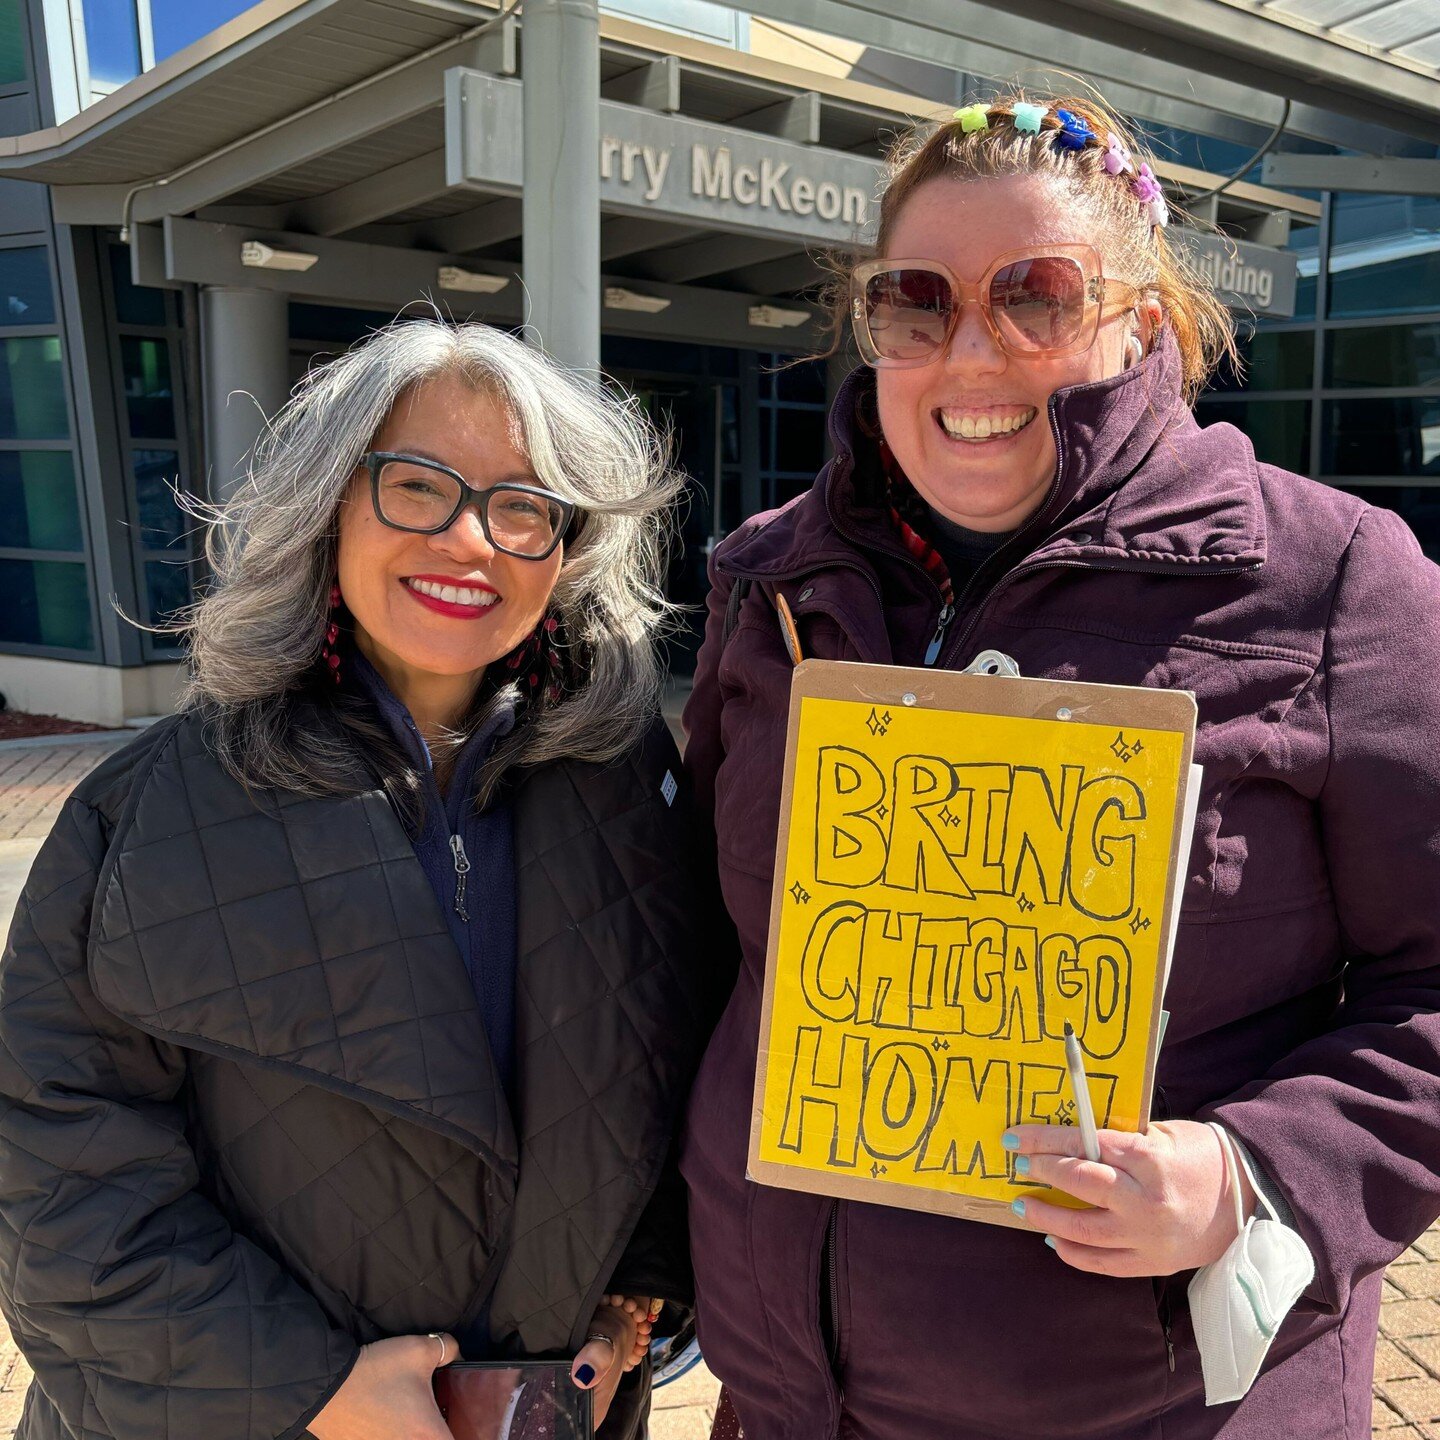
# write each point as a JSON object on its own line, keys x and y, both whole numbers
{"x": 942, "y": 624}
{"x": 829, "y": 1277}
{"x": 462, "y": 869}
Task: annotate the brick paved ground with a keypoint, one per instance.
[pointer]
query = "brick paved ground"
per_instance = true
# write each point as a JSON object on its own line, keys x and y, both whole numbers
{"x": 34, "y": 782}
{"x": 33, "y": 785}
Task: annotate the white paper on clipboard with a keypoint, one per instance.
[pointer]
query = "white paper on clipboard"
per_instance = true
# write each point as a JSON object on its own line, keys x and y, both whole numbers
{"x": 1189, "y": 810}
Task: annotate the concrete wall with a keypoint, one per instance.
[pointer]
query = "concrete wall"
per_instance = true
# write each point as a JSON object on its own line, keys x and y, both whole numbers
{"x": 100, "y": 694}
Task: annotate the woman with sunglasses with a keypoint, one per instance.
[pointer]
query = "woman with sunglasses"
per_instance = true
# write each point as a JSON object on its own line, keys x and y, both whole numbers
{"x": 348, "y": 1016}
{"x": 1017, "y": 468}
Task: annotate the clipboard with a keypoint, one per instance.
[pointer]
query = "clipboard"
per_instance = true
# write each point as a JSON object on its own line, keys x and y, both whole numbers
{"x": 964, "y": 862}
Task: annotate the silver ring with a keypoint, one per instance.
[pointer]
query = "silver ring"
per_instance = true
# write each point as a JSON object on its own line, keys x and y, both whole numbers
{"x": 596, "y": 1335}
{"x": 440, "y": 1339}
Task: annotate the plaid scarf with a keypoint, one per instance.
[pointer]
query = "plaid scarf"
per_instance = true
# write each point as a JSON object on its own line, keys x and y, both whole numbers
{"x": 911, "y": 518}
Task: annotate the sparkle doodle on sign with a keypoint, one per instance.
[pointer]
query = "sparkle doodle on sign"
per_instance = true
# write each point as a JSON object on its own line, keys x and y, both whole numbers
{"x": 1126, "y": 750}
{"x": 800, "y": 893}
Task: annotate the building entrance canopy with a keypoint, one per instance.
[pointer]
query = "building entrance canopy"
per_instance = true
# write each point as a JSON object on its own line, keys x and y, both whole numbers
{"x": 720, "y": 174}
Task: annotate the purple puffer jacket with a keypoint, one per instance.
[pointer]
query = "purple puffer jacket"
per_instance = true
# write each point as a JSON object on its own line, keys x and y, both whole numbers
{"x": 1306, "y": 980}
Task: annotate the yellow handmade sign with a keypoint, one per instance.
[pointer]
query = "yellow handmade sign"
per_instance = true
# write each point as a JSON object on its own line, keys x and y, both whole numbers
{"x": 965, "y": 864}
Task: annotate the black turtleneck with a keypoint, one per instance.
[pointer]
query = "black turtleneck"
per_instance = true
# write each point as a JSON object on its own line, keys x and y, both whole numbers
{"x": 964, "y": 551}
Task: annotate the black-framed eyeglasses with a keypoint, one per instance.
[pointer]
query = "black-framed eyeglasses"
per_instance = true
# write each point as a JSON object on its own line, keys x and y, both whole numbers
{"x": 425, "y": 497}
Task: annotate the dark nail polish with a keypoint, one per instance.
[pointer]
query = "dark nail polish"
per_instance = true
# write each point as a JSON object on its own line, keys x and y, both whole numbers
{"x": 585, "y": 1374}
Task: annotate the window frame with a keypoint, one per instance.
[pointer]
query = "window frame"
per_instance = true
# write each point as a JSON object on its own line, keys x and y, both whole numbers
{"x": 154, "y": 649}
{"x": 70, "y": 445}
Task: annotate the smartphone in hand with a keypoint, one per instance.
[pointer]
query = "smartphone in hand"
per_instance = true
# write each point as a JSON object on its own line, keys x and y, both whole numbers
{"x": 526, "y": 1400}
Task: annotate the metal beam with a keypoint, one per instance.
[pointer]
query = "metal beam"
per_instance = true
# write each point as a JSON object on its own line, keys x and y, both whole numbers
{"x": 492, "y": 223}
{"x": 795, "y": 118}
{"x": 388, "y": 277}
{"x": 1249, "y": 48}
{"x": 781, "y": 277}
{"x": 1361, "y": 173}
{"x": 654, "y": 85}
{"x": 622, "y": 235}
{"x": 712, "y": 256}
{"x": 347, "y": 271}
{"x": 401, "y": 187}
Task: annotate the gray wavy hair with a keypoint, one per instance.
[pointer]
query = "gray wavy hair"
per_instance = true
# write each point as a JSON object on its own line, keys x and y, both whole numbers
{"x": 256, "y": 635}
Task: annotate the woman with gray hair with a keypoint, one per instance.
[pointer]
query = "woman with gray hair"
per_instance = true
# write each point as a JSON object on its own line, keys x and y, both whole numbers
{"x": 348, "y": 1015}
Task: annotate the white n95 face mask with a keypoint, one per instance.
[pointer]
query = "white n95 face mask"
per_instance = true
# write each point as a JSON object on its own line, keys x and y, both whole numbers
{"x": 1238, "y": 1301}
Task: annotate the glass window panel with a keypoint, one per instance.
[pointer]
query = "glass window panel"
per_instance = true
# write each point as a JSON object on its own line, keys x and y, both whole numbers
{"x": 1272, "y": 360}
{"x": 12, "y": 42}
{"x": 732, "y": 507}
{"x": 25, "y": 294}
{"x": 804, "y": 383}
{"x": 800, "y": 440}
{"x": 767, "y": 438}
{"x": 783, "y": 490}
{"x": 1417, "y": 505}
{"x": 32, "y": 389}
{"x": 722, "y": 362}
{"x": 1219, "y": 157}
{"x": 627, "y": 352}
{"x": 167, "y": 585}
{"x": 1304, "y": 243}
{"x": 148, "y": 397}
{"x": 45, "y": 602}
{"x": 1382, "y": 437}
{"x": 178, "y": 23}
{"x": 162, "y": 521}
{"x": 39, "y": 508}
{"x": 1385, "y": 254}
{"x": 1387, "y": 356}
{"x": 1278, "y": 429}
{"x": 112, "y": 40}
{"x": 134, "y": 304}
{"x": 730, "y": 424}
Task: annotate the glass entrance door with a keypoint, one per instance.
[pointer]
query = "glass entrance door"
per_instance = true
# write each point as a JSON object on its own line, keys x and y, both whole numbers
{"x": 691, "y": 412}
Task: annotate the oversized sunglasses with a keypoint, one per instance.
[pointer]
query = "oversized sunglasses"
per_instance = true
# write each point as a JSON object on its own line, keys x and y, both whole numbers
{"x": 423, "y": 496}
{"x": 1035, "y": 302}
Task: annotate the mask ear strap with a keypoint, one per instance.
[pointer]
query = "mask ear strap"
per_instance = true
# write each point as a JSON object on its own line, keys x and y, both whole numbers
{"x": 1232, "y": 1173}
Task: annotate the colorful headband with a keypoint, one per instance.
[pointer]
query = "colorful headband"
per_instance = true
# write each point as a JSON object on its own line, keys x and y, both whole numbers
{"x": 1073, "y": 132}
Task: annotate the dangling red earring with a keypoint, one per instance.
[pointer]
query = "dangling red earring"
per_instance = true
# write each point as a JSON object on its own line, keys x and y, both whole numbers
{"x": 555, "y": 675}
{"x": 332, "y": 633}
{"x": 538, "y": 662}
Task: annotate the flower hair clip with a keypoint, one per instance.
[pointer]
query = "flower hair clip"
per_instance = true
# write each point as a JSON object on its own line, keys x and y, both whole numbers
{"x": 1027, "y": 118}
{"x": 1074, "y": 133}
{"x": 1118, "y": 159}
{"x": 1146, "y": 189}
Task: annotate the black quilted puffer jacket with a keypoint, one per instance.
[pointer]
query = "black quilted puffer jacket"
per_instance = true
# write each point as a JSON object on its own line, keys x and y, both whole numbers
{"x": 248, "y": 1114}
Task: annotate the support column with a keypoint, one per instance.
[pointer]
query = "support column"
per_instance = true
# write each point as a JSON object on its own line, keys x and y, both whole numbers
{"x": 561, "y": 196}
{"x": 245, "y": 338}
